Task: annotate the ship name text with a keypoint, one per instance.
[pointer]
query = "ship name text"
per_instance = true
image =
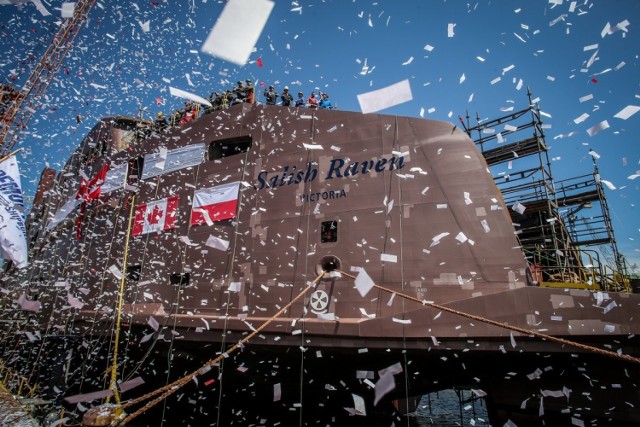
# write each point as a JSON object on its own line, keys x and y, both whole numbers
{"x": 338, "y": 168}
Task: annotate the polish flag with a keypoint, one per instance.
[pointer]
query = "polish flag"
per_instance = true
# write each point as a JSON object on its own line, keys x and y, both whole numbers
{"x": 155, "y": 216}
{"x": 215, "y": 204}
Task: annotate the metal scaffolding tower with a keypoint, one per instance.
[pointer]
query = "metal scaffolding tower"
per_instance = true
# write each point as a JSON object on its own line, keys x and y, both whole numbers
{"x": 526, "y": 184}
{"x": 554, "y": 220}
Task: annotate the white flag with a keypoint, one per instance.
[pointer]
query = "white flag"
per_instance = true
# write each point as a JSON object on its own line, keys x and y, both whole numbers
{"x": 168, "y": 161}
{"x": 13, "y": 233}
{"x": 116, "y": 176}
{"x": 62, "y": 213}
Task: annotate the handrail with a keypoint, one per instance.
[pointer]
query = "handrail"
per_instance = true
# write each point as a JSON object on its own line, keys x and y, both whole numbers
{"x": 617, "y": 280}
{"x": 593, "y": 275}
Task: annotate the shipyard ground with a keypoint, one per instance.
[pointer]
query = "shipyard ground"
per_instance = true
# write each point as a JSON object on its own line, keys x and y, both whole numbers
{"x": 12, "y": 413}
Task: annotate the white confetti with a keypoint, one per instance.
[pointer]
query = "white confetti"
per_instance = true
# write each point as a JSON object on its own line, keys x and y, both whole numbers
{"x": 627, "y": 112}
{"x": 389, "y": 96}
{"x": 388, "y": 258}
{"x": 67, "y": 9}
{"x": 237, "y": 30}
{"x": 609, "y": 185}
{"x": 217, "y": 243}
{"x": 364, "y": 284}
{"x": 450, "y": 30}
{"x": 594, "y": 130}
{"x": 518, "y": 207}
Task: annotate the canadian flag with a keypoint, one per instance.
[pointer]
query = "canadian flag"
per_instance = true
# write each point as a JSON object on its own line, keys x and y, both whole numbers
{"x": 215, "y": 203}
{"x": 155, "y": 216}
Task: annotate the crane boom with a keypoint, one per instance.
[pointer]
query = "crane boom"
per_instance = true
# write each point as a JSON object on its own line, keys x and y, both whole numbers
{"x": 27, "y": 100}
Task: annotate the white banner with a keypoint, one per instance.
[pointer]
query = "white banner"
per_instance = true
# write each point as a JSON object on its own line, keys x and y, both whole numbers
{"x": 116, "y": 176}
{"x": 188, "y": 95}
{"x": 169, "y": 161}
{"x": 13, "y": 233}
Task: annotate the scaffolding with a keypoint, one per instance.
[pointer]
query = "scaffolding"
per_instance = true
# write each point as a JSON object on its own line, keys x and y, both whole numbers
{"x": 564, "y": 227}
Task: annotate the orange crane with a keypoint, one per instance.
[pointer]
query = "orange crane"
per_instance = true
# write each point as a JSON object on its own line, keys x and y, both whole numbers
{"x": 24, "y": 103}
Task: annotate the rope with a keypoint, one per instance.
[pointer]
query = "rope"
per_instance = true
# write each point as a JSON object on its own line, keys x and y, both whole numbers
{"x": 114, "y": 364}
{"x": 96, "y": 344}
{"x": 171, "y": 388}
{"x": 228, "y": 273}
{"x": 174, "y": 304}
{"x": 400, "y": 216}
{"x": 522, "y": 331}
{"x": 304, "y": 207}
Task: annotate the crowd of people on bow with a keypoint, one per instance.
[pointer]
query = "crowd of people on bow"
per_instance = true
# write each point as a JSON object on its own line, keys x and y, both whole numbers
{"x": 287, "y": 100}
{"x": 243, "y": 92}
{"x": 189, "y": 113}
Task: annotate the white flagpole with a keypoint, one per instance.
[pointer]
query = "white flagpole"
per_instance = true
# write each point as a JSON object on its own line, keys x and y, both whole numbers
{"x": 8, "y": 156}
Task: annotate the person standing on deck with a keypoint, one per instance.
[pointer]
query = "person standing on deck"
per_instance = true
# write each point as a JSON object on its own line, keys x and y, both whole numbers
{"x": 312, "y": 100}
{"x": 250, "y": 92}
{"x": 300, "y": 102}
{"x": 325, "y": 102}
{"x": 160, "y": 122}
{"x": 271, "y": 96}
{"x": 286, "y": 97}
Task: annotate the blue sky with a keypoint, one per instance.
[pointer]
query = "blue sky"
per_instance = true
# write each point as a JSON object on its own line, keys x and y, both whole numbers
{"x": 116, "y": 68}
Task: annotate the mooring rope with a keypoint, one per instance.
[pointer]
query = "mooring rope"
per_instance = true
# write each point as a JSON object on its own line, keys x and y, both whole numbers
{"x": 171, "y": 388}
{"x": 523, "y": 331}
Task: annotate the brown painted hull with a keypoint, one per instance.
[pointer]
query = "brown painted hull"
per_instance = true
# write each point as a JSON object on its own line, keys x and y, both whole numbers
{"x": 415, "y": 207}
{"x": 414, "y": 204}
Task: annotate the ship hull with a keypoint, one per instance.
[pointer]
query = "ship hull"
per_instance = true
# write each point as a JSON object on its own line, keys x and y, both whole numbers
{"x": 532, "y": 384}
{"x": 405, "y": 206}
